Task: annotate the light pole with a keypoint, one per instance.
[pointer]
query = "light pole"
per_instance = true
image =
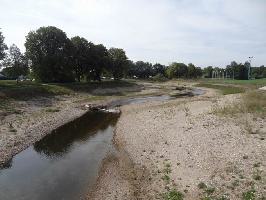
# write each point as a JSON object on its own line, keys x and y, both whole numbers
{"x": 249, "y": 68}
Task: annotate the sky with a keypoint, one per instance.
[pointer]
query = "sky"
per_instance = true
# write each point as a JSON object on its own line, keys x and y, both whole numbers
{"x": 202, "y": 32}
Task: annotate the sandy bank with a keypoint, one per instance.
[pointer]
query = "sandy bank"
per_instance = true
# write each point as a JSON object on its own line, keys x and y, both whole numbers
{"x": 180, "y": 144}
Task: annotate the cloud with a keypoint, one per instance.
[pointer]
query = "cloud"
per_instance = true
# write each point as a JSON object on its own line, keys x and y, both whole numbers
{"x": 205, "y": 32}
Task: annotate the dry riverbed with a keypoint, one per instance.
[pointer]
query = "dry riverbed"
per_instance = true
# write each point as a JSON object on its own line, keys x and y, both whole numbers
{"x": 183, "y": 149}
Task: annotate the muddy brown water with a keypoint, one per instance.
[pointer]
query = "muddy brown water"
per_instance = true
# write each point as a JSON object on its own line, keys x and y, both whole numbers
{"x": 65, "y": 163}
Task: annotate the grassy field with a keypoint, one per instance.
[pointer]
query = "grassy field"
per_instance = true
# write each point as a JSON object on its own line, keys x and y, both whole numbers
{"x": 225, "y": 89}
{"x": 27, "y": 90}
{"x": 256, "y": 83}
{"x": 253, "y": 101}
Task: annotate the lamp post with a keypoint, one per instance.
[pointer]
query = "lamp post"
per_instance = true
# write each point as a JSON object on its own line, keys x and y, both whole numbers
{"x": 249, "y": 68}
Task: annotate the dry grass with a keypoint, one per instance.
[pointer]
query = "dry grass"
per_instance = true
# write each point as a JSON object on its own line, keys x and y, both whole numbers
{"x": 252, "y": 102}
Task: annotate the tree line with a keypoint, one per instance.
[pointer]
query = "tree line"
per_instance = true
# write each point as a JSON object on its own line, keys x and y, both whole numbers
{"x": 51, "y": 56}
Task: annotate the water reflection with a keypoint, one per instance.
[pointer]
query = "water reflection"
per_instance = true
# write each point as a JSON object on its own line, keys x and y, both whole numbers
{"x": 61, "y": 140}
{"x": 63, "y": 164}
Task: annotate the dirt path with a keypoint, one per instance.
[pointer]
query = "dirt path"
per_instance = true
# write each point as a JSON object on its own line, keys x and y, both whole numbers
{"x": 181, "y": 146}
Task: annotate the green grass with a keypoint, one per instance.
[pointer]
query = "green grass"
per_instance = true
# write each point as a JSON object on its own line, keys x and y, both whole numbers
{"x": 225, "y": 89}
{"x": 27, "y": 90}
{"x": 249, "y": 195}
{"x": 173, "y": 195}
{"x": 256, "y": 83}
{"x": 209, "y": 190}
{"x": 166, "y": 178}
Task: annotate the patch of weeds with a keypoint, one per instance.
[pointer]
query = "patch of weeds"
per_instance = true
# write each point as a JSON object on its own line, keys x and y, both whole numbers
{"x": 256, "y": 176}
{"x": 173, "y": 195}
{"x": 166, "y": 178}
{"x": 167, "y": 168}
{"x": 235, "y": 183}
{"x": 223, "y": 198}
{"x": 249, "y": 195}
{"x": 209, "y": 190}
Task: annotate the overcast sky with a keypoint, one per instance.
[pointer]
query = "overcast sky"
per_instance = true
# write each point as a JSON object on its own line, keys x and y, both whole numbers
{"x": 204, "y": 32}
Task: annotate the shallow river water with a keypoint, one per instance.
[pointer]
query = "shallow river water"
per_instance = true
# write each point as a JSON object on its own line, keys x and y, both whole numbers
{"x": 64, "y": 163}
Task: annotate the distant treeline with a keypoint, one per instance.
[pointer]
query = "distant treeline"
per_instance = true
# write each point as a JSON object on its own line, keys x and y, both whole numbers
{"x": 51, "y": 56}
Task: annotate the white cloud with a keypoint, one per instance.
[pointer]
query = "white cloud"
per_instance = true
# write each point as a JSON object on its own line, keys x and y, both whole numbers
{"x": 205, "y": 32}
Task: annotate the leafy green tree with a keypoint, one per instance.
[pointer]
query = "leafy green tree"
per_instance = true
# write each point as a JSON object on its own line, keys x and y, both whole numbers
{"x": 259, "y": 72}
{"x": 208, "y": 72}
{"x": 191, "y": 71}
{"x": 238, "y": 71}
{"x": 199, "y": 72}
{"x": 118, "y": 62}
{"x": 143, "y": 69}
{"x": 82, "y": 56}
{"x": 159, "y": 69}
{"x": 100, "y": 59}
{"x": 51, "y": 54}
{"x": 15, "y": 64}
{"x": 177, "y": 70}
{"x": 3, "y": 47}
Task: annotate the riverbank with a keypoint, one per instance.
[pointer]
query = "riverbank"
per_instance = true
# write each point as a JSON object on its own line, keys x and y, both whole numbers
{"x": 184, "y": 149}
{"x": 25, "y": 120}
{"x": 30, "y": 111}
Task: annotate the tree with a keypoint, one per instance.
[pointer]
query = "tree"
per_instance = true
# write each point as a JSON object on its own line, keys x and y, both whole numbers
{"x": 118, "y": 62}
{"x": 100, "y": 60}
{"x": 15, "y": 64}
{"x": 199, "y": 72}
{"x": 208, "y": 72}
{"x": 191, "y": 71}
{"x": 3, "y": 47}
{"x": 82, "y": 57}
{"x": 158, "y": 69}
{"x": 143, "y": 69}
{"x": 51, "y": 54}
{"x": 238, "y": 71}
{"x": 177, "y": 70}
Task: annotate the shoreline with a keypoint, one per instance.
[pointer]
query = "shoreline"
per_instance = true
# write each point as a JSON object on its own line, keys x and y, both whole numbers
{"x": 19, "y": 131}
{"x": 199, "y": 153}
